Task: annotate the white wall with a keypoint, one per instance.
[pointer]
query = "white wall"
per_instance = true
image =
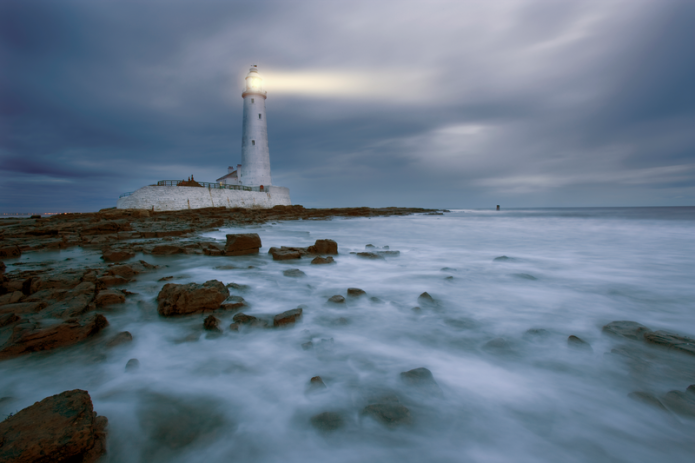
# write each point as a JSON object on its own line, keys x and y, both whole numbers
{"x": 175, "y": 198}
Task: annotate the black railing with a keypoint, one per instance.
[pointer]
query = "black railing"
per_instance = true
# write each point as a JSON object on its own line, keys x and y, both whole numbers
{"x": 220, "y": 186}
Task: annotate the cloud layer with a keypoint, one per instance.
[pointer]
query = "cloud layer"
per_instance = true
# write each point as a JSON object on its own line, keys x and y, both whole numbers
{"x": 438, "y": 103}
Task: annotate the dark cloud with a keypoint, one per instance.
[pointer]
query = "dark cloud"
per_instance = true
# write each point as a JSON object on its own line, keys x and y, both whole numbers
{"x": 460, "y": 104}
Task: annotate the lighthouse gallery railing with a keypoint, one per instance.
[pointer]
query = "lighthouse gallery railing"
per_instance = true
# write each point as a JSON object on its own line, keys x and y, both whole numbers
{"x": 211, "y": 185}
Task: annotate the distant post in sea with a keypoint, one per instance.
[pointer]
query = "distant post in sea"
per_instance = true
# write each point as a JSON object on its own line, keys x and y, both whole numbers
{"x": 498, "y": 207}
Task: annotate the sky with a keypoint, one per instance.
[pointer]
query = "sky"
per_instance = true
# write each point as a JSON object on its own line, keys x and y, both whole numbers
{"x": 443, "y": 104}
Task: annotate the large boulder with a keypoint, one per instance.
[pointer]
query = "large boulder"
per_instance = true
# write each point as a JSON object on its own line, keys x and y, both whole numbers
{"x": 60, "y": 428}
{"x": 324, "y": 247}
{"x": 190, "y": 298}
{"x": 32, "y": 337}
{"x": 242, "y": 243}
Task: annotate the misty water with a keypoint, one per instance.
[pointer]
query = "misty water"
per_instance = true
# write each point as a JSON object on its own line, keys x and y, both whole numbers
{"x": 245, "y": 396}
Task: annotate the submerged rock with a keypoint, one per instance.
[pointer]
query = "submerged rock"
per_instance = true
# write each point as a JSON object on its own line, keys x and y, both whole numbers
{"x": 287, "y": 318}
{"x": 279, "y": 254}
{"x": 501, "y": 259}
{"x": 625, "y": 329}
{"x": 323, "y": 260}
{"x": 60, "y": 428}
{"x": 426, "y": 300}
{"x": 355, "y": 292}
{"x": 367, "y": 255}
{"x": 672, "y": 341}
{"x": 294, "y": 273}
{"x": 498, "y": 346}
{"x": 132, "y": 365}
{"x": 647, "y": 398}
{"x": 317, "y": 383}
{"x": 418, "y": 377}
{"x": 190, "y": 298}
{"x": 681, "y": 403}
{"x": 389, "y": 414}
{"x": 211, "y": 323}
{"x": 337, "y": 299}
{"x": 327, "y": 421}
{"x": 576, "y": 342}
{"x": 109, "y": 297}
{"x": 124, "y": 337}
{"x": 525, "y": 276}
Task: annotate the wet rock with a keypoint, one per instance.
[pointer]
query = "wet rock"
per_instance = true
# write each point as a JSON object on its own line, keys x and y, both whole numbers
{"x": 71, "y": 306}
{"x": 647, "y": 398}
{"x": 576, "y": 342}
{"x": 212, "y": 249}
{"x": 190, "y": 298}
{"x": 421, "y": 377}
{"x": 324, "y": 247}
{"x": 448, "y": 269}
{"x": 2, "y": 267}
{"x": 243, "y": 319}
{"x": 367, "y": 255}
{"x": 8, "y": 319}
{"x": 116, "y": 256}
{"x": 279, "y": 254}
{"x": 294, "y": 273}
{"x": 322, "y": 260}
{"x": 110, "y": 280}
{"x": 691, "y": 390}
{"x": 10, "y": 251}
{"x": 525, "y": 276}
{"x": 242, "y": 244}
{"x": 211, "y": 323}
{"x": 11, "y": 298}
{"x": 680, "y": 403}
{"x": 388, "y": 253}
{"x": 33, "y": 337}
{"x": 233, "y": 303}
{"x": 287, "y": 318}
{"x": 167, "y": 250}
{"x": 307, "y": 345}
{"x": 123, "y": 271}
{"x": 498, "y": 346}
{"x": 124, "y": 337}
{"x": 23, "y": 308}
{"x": 237, "y": 286}
{"x": 376, "y": 300}
{"x": 501, "y": 259}
{"x": 389, "y": 414}
{"x": 625, "y": 329}
{"x": 672, "y": 341}
{"x": 317, "y": 383}
{"x": 60, "y": 428}
{"x": 132, "y": 365}
{"x": 60, "y": 281}
{"x": 355, "y": 292}
{"x": 536, "y": 334}
{"x": 109, "y": 297}
{"x": 337, "y": 299}
{"x": 327, "y": 421}
{"x": 166, "y": 278}
{"x": 234, "y": 327}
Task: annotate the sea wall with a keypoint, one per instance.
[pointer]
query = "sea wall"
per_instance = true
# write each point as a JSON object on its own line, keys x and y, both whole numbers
{"x": 176, "y": 198}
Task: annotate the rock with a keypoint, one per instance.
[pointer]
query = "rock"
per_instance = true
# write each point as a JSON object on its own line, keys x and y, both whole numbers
{"x": 31, "y": 337}
{"x": 124, "y": 337}
{"x": 11, "y": 298}
{"x": 241, "y": 244}
{"x": 211, "y": 323}
{"x": 287, "y": 318}
{"x": 132, "y": 365}
{"x": 418, "y": 377}
{"x": 23, "y": 308}
{"x": 294, "y": 273}
{"x": 60, "y": 281}
{"x": 191, "y": 298}
{"x": 109, "y": 297}
{"x": 367, "y": 255}
{"x": 691, "y": 390}
{"x": 671, "y": 341}
{"x": 426, "y": 300}
{"x": 501, "y": 259}
{"x": 285, "y": 254}
{"x": 324, "y": 247}
{"x": 625, "y": 329}
{"x": 355, "y": 292}
{"x": 323, "y": 260}
{"x": 167, "y": 250}
{"x": 71, "y": 306}
{"x": 536, "y": 333}
{"x": 237, "y": 286}
{"x": 388, "y": 253}
{"x": 8, "y": 319}
{"x": 389, "y": 414}
{"x": 166, "y": 278}
{"x": 234, "y": 327}
{"x": 110, "y": 280}
{"x": 228, "y": 306}
{"x": 647, "y": 398}
{"x": 337, "y": 299}
{"x": 327, "y": 421}
{"x": 243, "y": 319}
{"x": 2, "y": 267}
{"x": 308, "y": 345}
{"x": 680, "y": 403}
{"x": 60, "y": 428}
{"x": 317, "y": 383}
{"x": 116, "y": 256}
{"x": 525, "y": 276}
{"x": 10, "y": 251}
{"x": 578, "y": 343}
{"x": 123, "y": 271}
{"x": 212, "y": 249}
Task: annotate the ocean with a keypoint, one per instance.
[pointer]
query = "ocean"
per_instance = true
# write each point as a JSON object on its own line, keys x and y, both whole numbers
{"x": 507, "y": 385}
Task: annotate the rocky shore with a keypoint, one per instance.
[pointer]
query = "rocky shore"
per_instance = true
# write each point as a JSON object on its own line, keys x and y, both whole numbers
{"x": 46, "y": 306}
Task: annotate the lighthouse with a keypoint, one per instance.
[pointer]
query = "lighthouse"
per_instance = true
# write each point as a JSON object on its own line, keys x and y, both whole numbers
{"x": 255, "y": 156}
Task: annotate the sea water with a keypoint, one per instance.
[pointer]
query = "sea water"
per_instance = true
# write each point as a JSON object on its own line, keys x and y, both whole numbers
{"x": 527, "y": 397}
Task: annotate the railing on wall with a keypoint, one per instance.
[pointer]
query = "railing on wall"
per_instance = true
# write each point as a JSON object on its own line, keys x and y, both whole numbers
{"x": 211, "y": 185}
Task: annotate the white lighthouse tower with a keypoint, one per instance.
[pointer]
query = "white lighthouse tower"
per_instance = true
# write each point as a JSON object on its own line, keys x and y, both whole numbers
{"x": 255, "y": 156}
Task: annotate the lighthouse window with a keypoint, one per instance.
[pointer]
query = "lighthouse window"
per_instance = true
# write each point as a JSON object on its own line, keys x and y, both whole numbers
{"x": 253, "y": 142}
{"x": 259, "y": 116}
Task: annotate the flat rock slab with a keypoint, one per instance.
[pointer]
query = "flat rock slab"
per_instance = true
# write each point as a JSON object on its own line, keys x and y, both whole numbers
{"x": 279, "y": 254}
{"x": 191, "y": 298}
{"x": 242, "y": 244}
{"x": 63, "y": 427}
{"x": 672, "y": 341}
